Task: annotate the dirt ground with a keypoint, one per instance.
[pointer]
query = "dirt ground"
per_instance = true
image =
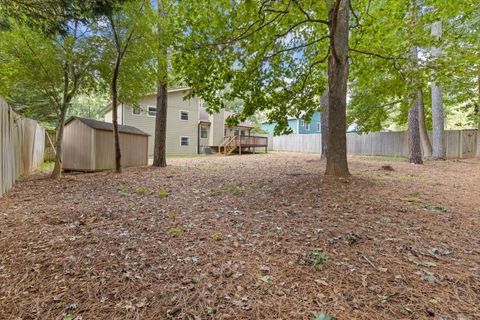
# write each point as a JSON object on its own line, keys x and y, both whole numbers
{"x": 245, "y": 237}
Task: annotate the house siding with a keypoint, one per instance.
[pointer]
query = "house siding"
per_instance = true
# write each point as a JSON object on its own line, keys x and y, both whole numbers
{"x": 314, "y": 121}
{"x": 109, "y": 115}
{"x": 176, "y": 128}
{"x": 296, "y": 126}
{"x": 270, "y": 127}
{"x": 217, "y": 128}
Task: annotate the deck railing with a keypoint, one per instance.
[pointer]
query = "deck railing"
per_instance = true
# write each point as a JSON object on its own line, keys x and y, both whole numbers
{"x": 230, "y": 143}
{"x": 256, "y": 141}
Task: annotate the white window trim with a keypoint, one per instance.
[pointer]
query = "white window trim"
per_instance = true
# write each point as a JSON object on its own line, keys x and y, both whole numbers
{"x": 181, "y": 137}
{"x": 148, "y": 112}
{"x": 180, "y": 115}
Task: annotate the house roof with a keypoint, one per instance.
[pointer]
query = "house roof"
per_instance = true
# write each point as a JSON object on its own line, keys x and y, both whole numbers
{"x": 106, "y": 126}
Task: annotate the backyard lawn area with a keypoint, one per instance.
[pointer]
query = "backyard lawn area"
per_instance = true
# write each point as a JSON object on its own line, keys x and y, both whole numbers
{"x": 245, "y": 237}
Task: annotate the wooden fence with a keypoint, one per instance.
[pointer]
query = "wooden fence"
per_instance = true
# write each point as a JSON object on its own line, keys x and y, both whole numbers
{"x": 459, "y": 143}
{"x": 22, "y": 143}
{"x": 50, "y": 152}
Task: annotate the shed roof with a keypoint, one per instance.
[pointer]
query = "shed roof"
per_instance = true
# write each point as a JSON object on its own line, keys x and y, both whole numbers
{"x": 106, "y": 126}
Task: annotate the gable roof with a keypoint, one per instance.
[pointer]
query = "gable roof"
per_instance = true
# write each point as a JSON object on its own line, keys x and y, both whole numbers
{"x": 106, "y": 126}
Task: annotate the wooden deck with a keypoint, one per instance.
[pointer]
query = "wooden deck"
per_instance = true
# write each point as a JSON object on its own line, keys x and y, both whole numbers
{"x": 231, "y": 144}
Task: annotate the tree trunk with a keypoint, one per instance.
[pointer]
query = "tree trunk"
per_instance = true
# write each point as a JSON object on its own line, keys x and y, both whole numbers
{"x": 57, "y": 169}
{"x": 323, "y": 123}
{"x": 160, "y": 148}
{"x": 438, "y": 114}
{"x": 414, "y": 144}
{"x": 427, "y": 146}
{"x": 116, "y": 137}
{"x": 337, "y": 90}
{"x": 159, "y": 155}
{"x": 478, "y": 119}
{"x": 415, "y": 150}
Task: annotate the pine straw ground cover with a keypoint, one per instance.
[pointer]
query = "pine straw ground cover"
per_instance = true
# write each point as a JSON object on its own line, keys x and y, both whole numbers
{"x": 245, "y": 237}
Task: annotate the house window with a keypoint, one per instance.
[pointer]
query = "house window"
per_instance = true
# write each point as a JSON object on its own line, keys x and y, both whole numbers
{"x": 319, "y": 126}
{"x": 152, "y": 111}
{"x": 306, "y": 126}
{"x": 136, "y": 110}
{"x": 242, "y": 133}
{"x": 236, "y": 132}
{"x": 184, "y": 115}
{"x": 184, "y": 141}
{"x": 203, "y": 132}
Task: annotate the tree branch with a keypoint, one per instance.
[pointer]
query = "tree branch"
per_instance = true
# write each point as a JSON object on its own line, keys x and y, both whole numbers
{"x": 377, "y": 55}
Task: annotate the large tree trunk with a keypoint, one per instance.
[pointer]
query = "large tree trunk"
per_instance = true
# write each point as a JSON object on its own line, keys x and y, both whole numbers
{"x": 57, "y": 169}
{"x": 478, "y": 119}
{"x": 415, "y": 151}
{"x": 337, "y": 90}
{"x": 116, "y": 137}
{"x": 160, "y": 148}
{"x": 159, "y": 155}
{"x": 324, "y": 123}
{"x": 427, "y": 146}
{"x": 414, "y": 144}
{"x": 438, "y": 114}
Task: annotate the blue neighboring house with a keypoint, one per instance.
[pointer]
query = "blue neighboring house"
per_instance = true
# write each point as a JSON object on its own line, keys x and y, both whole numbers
{"x": 298, "y": 125}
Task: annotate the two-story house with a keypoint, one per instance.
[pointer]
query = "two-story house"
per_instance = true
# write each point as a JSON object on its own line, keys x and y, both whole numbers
{"x": 190, "y": 129}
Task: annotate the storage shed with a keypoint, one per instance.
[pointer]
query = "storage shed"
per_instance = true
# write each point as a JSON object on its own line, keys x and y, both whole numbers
{"x": 88, "y": 145}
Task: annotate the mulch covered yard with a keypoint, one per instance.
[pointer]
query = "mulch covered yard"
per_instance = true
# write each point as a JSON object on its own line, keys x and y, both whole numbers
{"x": 245, "y": 237}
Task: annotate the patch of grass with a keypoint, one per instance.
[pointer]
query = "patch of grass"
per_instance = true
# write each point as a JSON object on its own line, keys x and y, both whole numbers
{"x": 175, "y": 230}
{"x": 162, "y": 193}
{"x": 46, "y": 166}
{"x": 237, "y": 190}
{"x": 141, "y": 190}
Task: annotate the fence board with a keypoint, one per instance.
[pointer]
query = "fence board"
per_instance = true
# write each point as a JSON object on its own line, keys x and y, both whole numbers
{"x": 22, "y": 143}
{"x": 459, "y": 143}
